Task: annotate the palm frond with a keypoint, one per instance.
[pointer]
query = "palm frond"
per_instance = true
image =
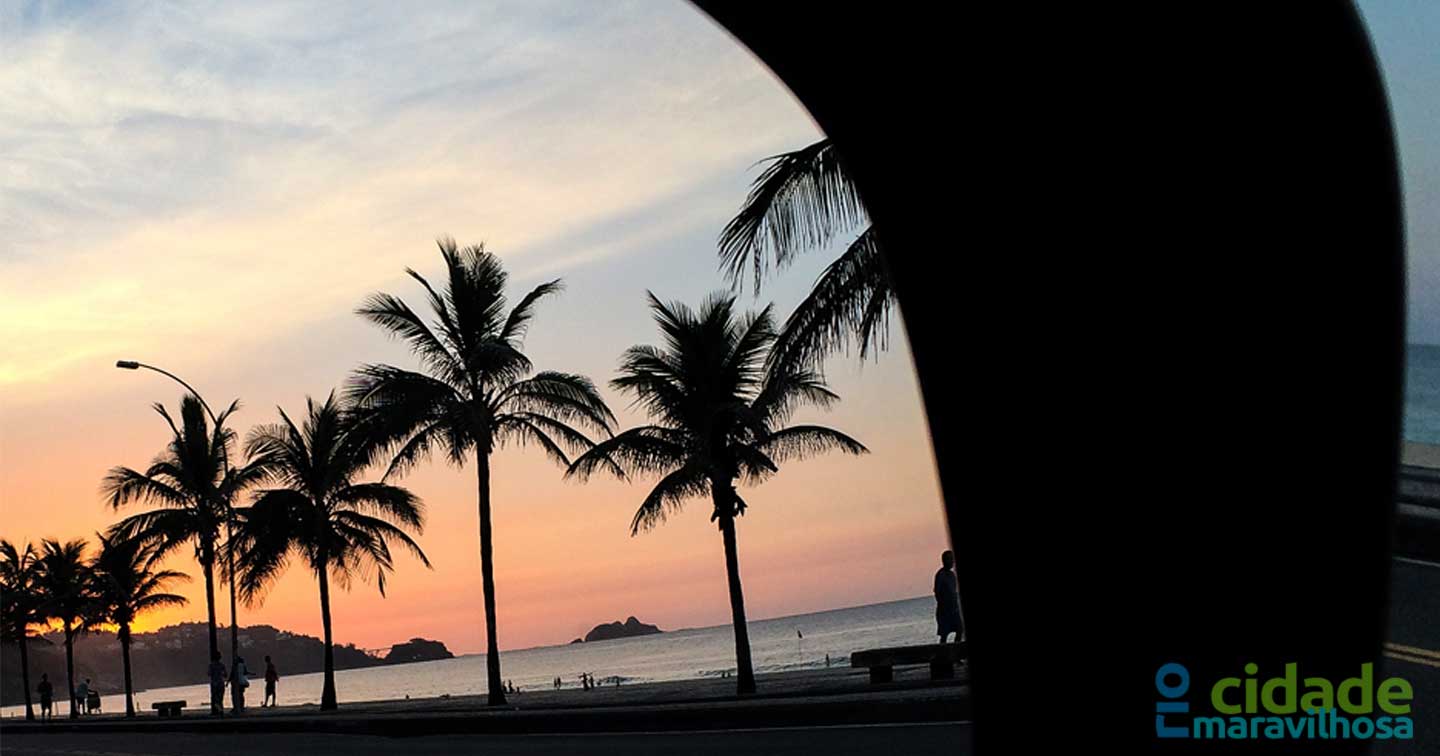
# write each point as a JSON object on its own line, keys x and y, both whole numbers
{"x": 801, "y": 441}
{"x": 645, "y": 449}
{"x": 850, "y": 303}
{"x": 519, "y": 319}
{"x": 392, "y": 502}
{"x": 669, "y": 496}
{"x": 801, "y": 201}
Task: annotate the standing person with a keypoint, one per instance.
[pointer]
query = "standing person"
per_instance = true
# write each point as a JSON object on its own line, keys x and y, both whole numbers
{"x": 947, "y": 599}
{"x": 217, "y": 685}
{"x": 271, "y": 677}
{"x": 239, "y": 681}
{"x": 47, "y": 695}
{"x": 82, "y": 695}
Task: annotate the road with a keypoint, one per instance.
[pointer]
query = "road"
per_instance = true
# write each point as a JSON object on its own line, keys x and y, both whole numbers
{"x": 1413, "y": 652}
{"x": 951, "y": 739}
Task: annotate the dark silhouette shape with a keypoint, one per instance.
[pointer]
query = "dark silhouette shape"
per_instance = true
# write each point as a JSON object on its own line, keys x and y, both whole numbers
{"x": 192, "y": 484}
{"x": 805, "y": 201}
{"x": 82, "y": 696}
{"x": 339, "y": 527}
{"x": 417, "y": 649}
{"x": 474, "y": 394}
{"x": 629, "y": 628}
{"x": 63, "y": 581}
{"x": 19, "y": 606}
{"x": 239, "y": 681}
{"x": 947, "y": 599}
{"x": 217, "y": 685}
{"x": 125, "y": 586}
{"x": 272, "y": 677}
{"x": 92, "y": 698}
{"x": 720, "y": 407}
{"x": 47, "y": 696}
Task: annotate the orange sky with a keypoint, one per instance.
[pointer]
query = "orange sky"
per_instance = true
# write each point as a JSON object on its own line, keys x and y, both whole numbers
{"x": 187, "y": 206}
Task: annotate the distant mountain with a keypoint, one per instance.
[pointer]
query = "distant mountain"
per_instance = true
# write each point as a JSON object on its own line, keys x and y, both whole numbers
{"x": 178, "y": 655}
{"x": 629, "y": 629}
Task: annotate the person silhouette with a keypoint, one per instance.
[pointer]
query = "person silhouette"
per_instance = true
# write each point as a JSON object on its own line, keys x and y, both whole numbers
{"x": 47, "y": 696}
{"x": 271, "y": 677}
{"x": 217, "y": 685}
{"x": 947, "y": 599}
{"x": 239, "y": 681}
{"x": 82, "y": 695}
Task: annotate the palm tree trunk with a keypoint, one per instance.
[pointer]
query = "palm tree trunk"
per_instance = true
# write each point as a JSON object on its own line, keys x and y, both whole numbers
{"x": 745, "y": 672}
{"x": 70, "y": 668}
{"x": 207, "y": 565}
{"x": 327, "y": 694}
{"x": 25, "y": 673}
{"x": 125, "y": 661}
{"x": 230, "y": 568}
{"x": 487, "y": 580}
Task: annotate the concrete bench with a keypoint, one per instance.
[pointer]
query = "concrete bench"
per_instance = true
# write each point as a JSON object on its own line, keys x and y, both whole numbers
{"x": 168, "y": 708}
{"x": 942, "y": 658}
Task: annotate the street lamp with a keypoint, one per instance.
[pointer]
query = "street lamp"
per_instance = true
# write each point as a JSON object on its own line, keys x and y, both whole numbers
{"x": 229, "y": 511}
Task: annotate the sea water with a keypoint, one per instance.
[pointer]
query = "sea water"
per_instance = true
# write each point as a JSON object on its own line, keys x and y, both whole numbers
{"x": 783, "y": 643}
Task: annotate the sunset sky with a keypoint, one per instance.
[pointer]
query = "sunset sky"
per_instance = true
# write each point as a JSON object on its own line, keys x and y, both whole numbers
{"x": 213, "y": 188}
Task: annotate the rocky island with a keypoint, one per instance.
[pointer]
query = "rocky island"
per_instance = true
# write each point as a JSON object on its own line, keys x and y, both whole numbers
{"x": 417, "y": 649}
{"x": 628, "y": 629}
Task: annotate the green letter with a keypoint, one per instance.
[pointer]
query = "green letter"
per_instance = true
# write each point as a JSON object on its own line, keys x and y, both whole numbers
{"x": 1394, "y": 695}
{"x": 1250, "y": 669}
{"x": 1320, "y": 699}
{"x": 1287, "y": 684}
{"x": 1217, "y": 695}
{"x": 1365, "y": 682}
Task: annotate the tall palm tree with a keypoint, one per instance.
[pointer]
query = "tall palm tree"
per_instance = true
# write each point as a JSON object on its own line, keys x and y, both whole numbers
{"x": 192, "y": 484}
{"x": 19, "y": 605}
{"x": 473, "y": 395}
{"x": 803, "y": 201}
{"x": 63, "y": 580}
{"x": 338, "y": 526}
{"x": 719, "y": 410}
{"x": 126, "y": 585}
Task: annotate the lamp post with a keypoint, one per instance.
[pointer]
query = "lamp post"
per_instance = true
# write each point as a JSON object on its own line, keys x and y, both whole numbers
{"x": 229, "y": 511}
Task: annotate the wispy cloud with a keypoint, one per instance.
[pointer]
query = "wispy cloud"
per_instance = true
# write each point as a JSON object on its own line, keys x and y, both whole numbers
{"x": 147, "y": 147}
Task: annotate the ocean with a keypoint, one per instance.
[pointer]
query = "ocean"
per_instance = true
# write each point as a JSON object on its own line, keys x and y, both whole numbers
{"x": 674, "y": 655}
{"x": 1422, "y": 393}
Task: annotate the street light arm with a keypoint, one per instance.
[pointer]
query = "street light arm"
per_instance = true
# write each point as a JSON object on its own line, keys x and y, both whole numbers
{"x": 132, "y": 365}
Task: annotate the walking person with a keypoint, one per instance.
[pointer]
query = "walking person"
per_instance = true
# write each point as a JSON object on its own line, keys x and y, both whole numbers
{"x": 217, "y": 685}
{"x": 47, "y": 697}
{"x": 271, "y": 677}
{"x": 947, "y": 599}
{"x": 239, "y": 681}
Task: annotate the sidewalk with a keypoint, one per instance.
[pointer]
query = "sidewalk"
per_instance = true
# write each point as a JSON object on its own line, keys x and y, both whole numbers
{"x": 785, "y": 700}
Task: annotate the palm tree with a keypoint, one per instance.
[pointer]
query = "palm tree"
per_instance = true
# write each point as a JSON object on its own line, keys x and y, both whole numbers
{"x": 19, "y": 605}
{"x": 63, "y": 580}
{"x": 474, "y": 395}
{"x": 125, "y": 585}
{"x": 316, "y": 509}
{"x": 719, "y": 410}
{"x": 804, "y": 200}
{"x": 192, "y": 484}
